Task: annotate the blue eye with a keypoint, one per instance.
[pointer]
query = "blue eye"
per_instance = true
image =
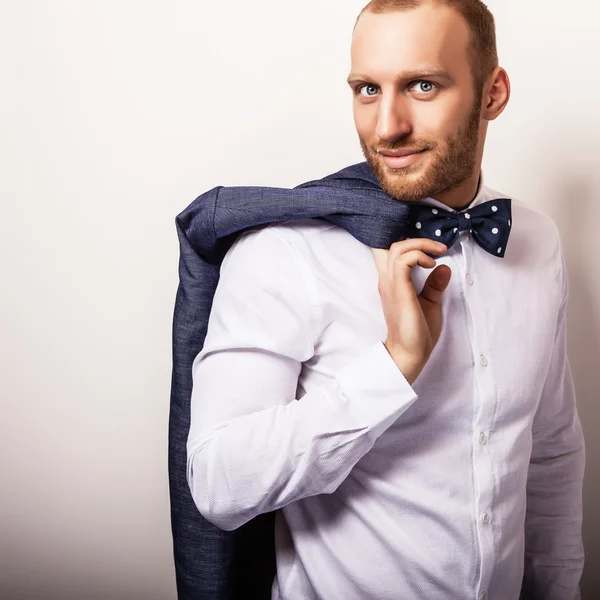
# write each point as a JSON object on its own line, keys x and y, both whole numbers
{"x": 426, "y": 86}
{"x": 366, "y": 87}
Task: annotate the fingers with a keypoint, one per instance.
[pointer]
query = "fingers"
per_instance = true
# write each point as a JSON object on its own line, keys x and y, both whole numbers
{"x": 395, "y": 266}
{"x": 424, "y": 244}
{"x": 436, "y": 284}
{"x": 413, "y": 322}
{"x": 404, "y": 255}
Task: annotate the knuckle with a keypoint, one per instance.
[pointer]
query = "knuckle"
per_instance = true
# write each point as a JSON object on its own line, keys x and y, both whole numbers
{"x": 407, "y": 257}
{"x": 404, "y": 246}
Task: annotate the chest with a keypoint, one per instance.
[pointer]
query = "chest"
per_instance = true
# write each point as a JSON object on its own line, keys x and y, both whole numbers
{"x": 499, "y": 322}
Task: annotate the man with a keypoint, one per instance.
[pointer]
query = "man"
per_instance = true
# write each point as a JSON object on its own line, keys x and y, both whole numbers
{"x": 415, "y": 429}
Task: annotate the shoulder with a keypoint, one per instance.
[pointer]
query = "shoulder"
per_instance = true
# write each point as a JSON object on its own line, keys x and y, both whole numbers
{"x": 292, "y": 232}
{"x": 311, "y": 256}
{"x": 526, "y": 216}
{"x": 532, "y": 229}
{"x": 279, "y": 259}
{"x": 534, "y": 245}
{"x": 305, "y": 241}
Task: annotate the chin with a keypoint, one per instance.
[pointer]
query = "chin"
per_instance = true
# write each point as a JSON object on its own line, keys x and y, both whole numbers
{"x": 410, "y": 186}
{"x": 412, "y": 175}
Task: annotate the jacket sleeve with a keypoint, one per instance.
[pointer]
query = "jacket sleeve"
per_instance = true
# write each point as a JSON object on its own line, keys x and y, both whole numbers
{"x": 553, "y": 542}
{"x": 253, "y": 446}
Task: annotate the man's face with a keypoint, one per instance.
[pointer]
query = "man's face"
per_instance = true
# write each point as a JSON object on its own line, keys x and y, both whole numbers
{"x": 413, "y": 94}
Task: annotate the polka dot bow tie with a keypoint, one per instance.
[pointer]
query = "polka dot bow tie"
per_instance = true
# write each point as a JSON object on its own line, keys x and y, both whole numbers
{"x": 488, "y": 223}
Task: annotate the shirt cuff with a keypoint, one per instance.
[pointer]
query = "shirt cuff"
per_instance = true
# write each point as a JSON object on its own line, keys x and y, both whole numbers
{"x": 376, "y": 390}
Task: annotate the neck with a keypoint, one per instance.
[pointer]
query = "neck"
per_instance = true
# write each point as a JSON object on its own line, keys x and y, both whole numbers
{"x": 461, "y": 196}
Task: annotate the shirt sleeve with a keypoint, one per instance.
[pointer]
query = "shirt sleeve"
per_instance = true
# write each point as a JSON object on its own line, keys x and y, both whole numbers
{"x": 554, "y": 553}
{"x": 252, "y": 446}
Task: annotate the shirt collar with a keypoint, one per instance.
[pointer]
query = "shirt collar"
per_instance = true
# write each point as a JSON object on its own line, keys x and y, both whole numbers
{"x": 483, "y": 195}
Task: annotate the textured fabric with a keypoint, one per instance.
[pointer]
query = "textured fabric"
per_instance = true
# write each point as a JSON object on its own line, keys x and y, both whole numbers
{"x": 211, "y": 563}
{"x": 384, "y": 490}
{"x": 489, "y": 223}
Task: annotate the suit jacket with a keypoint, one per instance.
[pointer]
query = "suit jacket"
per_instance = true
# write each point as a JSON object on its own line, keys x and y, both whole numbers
{"x": 212, "y": 564}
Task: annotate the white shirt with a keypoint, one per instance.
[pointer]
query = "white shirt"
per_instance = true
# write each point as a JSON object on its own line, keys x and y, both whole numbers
{"x": 387, "y": 490}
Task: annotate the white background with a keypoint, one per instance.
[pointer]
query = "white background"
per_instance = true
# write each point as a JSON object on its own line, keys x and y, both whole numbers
{"x": 115, "y": 115}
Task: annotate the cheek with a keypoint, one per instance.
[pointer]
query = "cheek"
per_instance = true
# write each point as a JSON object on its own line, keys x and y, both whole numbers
{"x": 439, "y": 121}
{"x": 365, "y": 121}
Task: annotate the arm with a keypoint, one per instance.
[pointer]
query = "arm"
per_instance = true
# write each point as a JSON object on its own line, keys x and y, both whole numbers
{"x": 253, "y": 448}
{"x": 553, "y": 543}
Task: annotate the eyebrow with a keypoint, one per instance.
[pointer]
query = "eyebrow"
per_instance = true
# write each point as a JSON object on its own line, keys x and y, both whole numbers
{"x": 406, "y": 76}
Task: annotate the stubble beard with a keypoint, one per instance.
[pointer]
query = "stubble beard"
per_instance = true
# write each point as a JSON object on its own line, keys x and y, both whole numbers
{"x": 446, "y": 170}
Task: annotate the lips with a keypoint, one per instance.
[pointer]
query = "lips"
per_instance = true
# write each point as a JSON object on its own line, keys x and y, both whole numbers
{"x": 402, "y": 158}
{"x": 399, "y": 153}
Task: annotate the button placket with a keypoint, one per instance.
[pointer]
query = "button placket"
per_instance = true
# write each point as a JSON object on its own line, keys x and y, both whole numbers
{"x": 484, "y": 409}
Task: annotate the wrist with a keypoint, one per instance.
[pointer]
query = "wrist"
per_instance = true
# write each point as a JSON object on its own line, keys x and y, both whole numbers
{"x": 408, "y": 365}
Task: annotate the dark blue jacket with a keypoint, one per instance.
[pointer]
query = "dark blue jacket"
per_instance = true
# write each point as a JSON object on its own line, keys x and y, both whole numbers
{"x": 212, "y": 564}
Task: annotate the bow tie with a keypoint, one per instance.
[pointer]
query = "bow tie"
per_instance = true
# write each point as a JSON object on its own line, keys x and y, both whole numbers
{"x": 488, "y": 223}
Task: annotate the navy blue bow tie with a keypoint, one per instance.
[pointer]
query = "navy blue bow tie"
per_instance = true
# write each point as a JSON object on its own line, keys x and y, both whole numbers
{"x": 489, "y": 224}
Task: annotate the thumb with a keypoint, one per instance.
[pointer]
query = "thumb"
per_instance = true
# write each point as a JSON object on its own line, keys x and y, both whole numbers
{"x": 380, "y": 255}
{"x": 436, "y": 284}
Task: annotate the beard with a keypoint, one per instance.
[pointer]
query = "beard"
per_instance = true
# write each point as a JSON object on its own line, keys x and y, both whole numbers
{"x": 446, "y": 169}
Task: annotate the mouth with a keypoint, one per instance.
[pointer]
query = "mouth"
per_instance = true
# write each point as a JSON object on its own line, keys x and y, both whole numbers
{"x": 401, "y": 158}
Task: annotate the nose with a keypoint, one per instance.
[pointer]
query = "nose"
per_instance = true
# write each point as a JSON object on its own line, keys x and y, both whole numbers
{"x": 393, "y": 120}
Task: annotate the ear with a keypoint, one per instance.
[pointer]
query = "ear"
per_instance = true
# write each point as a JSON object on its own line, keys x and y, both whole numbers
{"x": 496, "y": 94}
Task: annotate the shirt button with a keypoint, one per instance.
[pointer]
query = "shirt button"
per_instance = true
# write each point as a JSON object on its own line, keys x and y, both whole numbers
{"x": 485, "y": 518}
{"x": 483, "y": 360}
{"x": 470, "y": 279}
{"x": 483, "y": 596}
{"x": 482, "y": 438}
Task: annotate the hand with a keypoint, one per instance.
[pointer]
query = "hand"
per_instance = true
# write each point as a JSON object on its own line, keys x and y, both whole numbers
{"x": 414, "y": 321}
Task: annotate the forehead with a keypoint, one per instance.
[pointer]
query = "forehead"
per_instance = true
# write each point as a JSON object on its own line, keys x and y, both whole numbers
{"x": 431, "y": 35}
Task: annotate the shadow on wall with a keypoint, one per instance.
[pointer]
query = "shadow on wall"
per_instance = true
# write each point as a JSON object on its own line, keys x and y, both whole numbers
{"x": 575, "y": 209}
